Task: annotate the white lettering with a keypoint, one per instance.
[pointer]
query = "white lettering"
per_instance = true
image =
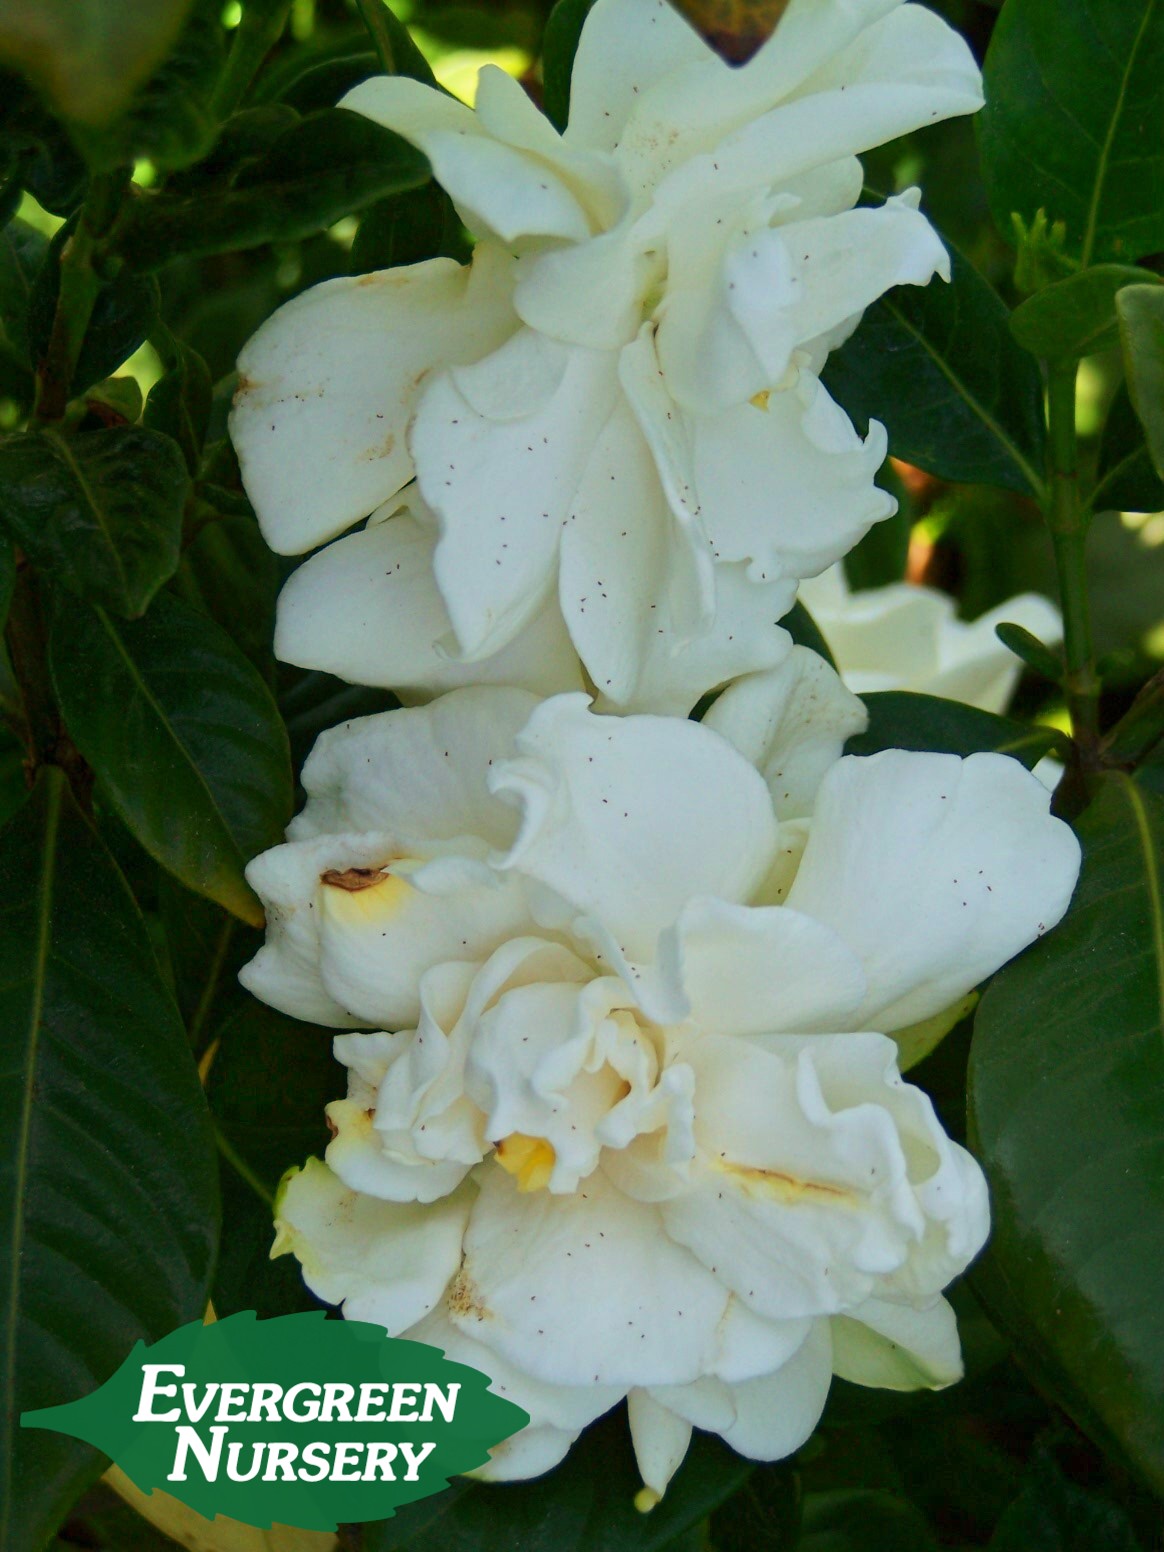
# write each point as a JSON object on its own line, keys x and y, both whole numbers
{"x": 151, "y": 1390}
{"x": 189, "y": 1443}
{"x": 347, "y": 1454}
{"x": 379, "y": 1456}
{"x": 415, "y": 1455}
{"x": 446, "y": 1404}
{"x": 310, "y": 1413}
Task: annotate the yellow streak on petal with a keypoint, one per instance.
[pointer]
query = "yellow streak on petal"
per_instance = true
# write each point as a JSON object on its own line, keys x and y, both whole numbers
{"x": 760, "y": 400}
{"x": 530, "y": 1160}
{"x": 780, "y": 1187}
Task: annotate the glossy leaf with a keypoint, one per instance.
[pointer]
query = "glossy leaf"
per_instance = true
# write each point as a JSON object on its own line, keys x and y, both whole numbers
{"x": 22, "y": 252}
{"x": 87, "y": 55}
{"x": 179, "y": 403}
{"x": 326, "y": 166}
{"x": 1071, "y": 90}
{"x": 900, "y": 719}
{"x": 101, "y": 512}
{"x": 585, "y": 1505}
{"x": 108, "y": 1202}
{"x": 184, "y": 738}
{"x": 1077, "y": 316}
{"x": 938, "y": 366}
{"x": 1067, "y": 1105}
{"x": 1141, "y": 314}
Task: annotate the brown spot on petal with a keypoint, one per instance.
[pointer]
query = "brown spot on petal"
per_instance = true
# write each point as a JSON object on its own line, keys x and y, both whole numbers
{"x": 464, "y": 1297}
{"x": 353, "y": 879}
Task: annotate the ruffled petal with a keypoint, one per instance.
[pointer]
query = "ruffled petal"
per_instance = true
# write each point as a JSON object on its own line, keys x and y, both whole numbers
{"x": 385, "y": 1262}
{"x": 367, "y": 608}
{"x": 660, "y": 1438}
{"x": 935, "y": 871}
{"x": 609, "y": 830}
{"x": 897, "y": 1347}
{"x": 328, "y": 384}
{"x": 792, "y": 724}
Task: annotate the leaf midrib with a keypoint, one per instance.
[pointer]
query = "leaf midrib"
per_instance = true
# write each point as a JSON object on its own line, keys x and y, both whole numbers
{"x": 74, "y": 468}
{"x": 1109, "y": 139}
{"x": 24, "y": 1127}
{"x": 1151, "y": 882}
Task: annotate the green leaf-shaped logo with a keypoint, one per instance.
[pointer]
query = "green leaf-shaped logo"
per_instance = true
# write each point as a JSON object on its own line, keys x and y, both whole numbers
{"x": 303, "y": 1420}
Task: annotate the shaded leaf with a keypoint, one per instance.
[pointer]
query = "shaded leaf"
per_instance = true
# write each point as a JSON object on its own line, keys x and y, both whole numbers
{"x": 184, "y": 738}
{"x": 901, "y": 719}
{"x": 1072, "y": 89}
{"x": 881, "y": 556}
{"x": 100, "y": 511}
{"x": 1141, "y": 314}
{"x": 229, "y": 573}
{"x": 1127, "y": 480}
{"x": 108, "y": 1205}
{"x": 939, "y": 367}
{"x": 1054, "y": 1514}
{"x": 559, "y": 45}
{"x": 179, "y": 403}
{"x": 1067, "y": 1104}
{"x": 863, "y": 1522}
{"x": 22, "y": 252}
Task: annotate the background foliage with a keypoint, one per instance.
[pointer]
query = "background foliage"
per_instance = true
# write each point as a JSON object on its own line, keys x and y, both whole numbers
{"x": 170, "y": 172}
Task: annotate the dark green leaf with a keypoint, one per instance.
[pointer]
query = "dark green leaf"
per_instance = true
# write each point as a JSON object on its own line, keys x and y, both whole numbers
{"x": 312, "y": 701}
{"x": 324, "y": 167}
{"x": 108, "y": 1207}
{"x": 585, "y": 1505}
{"x": 1127, "y": 479}
{"x": 115, "y": 402}
{"x": 179, "y": 403}
{"x": 230, "y": 574}
{"x": 863, "y": 1522}
{"x": 184, "y": 738}
{"x": 938, "y": 366}
{"x": 22, "y": 252}
{"x": 1055, "y": 1514}
{"x": 101, "y": 511}
{"x": 1072, "y": 98}
{"x": 407, "y": 228}
{"x": 124, "y": 312}
{"x": 406, "y": 57}
{"x": 899, "y": 719}
{"x": 1067, "y": 1104}
{"x": 318, "y": 79}
{"x": 86, "y": 55}
{"x": 559, "y": 45}
{"x": 7, "y": 579}
{"x": 205, "y": 947}
{"x": 1032, "y": 651}
{"x": 805, "y": 632}
{"x": 42, "y": 158}
{"x": 764, "y": 1516}
{"x": 1077, "y": 316}
{"x": 269, "y": 1082}
{"x": 1141, "y": 312}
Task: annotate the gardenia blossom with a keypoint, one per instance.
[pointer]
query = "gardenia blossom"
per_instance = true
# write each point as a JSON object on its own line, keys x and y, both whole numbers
{"x": 622, "y": 448}
{"x": 908, "y": 637}
{"x": 628, "y": 1120}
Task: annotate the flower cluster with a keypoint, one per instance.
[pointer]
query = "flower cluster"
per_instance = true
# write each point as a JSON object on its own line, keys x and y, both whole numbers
{"x": 623, "y": 994}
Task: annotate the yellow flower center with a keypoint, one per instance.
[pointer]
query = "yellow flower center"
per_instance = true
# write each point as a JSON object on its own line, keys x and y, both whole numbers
{"x": 530, "y": 1160}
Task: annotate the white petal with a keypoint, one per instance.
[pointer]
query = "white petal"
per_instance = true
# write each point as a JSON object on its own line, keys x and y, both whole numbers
{"x": 606, "y": 825}
{"x": 417, "y": 774}
{"x": 500, "y": 450}
{"x": 660, "y": 1439}
{"x": 882, "y": 637}
{"x": 751, "y": 970}
{"x": 584, "y": 1288}
{"x": 792, "y": 724}
{"x": 625, "y": 47}
{"x": 385, "y": 1262}
{"x": 976, "y": 667}
{"x": 368, "y": 610}
{"x": 935, "y": 871}
{"x": 328, "y": 384}
{"x": 897, "y": 1347}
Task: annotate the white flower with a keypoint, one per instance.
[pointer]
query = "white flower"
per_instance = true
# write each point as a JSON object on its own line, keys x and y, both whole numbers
{"x": 613, "y": 413}
{"x": 629, "y": 1122}
{"x": 906, "y": 637}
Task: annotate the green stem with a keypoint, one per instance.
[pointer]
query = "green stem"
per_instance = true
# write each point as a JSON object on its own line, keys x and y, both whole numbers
{"x": 255, "y": 36}
{"x": 1068, "y": 524}
{"x": 241, "y": 1168}
{"x": 372, "y": 14}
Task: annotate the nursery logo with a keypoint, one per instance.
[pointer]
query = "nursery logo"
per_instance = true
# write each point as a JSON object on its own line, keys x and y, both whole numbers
{"x": 303, "y": 1420}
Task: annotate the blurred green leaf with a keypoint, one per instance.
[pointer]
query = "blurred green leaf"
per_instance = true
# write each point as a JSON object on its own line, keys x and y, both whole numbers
{"x": 559, "y": 45}
{"x": 310, "y": 79}
{"x": 87, "y": 55}
{"x": 108, "y": 1201}
{"x": 115, "y": 402}
{"x": 205, "y": 947}
{"x": 398, "y": 53}
{"x": 585, "y": 1505}
{"x": 179, "y": 403}
{"x": 230, "y": 574}
{"x": 1141, "y": 314}
{"x": 1126, "y": 480}
{"x": 1077, "y": 316}
{"x": 763, "y": 1516}
{"x": 100, "y": 511}
{"x": 1067, "y": 1105}
{"x": 957, "y": 394}
{"x": 881, "y": 556}
{"x": 7, "y": 579}
{"x": 1071, "y": 89}
{"x": 900, "y": 719}
{"x": 406, "y": 228}
{"x": 311, "y": 701}
{"x": 41, "y": 156}
{"x": 269, "y": 1081}
{"x": 1043, "y": 659}
{"x": 183, "y": 737}
{"x": 1055, "y": 1514}
{"x": 805, "y": 632}
{"x": 326, "y": 166}
{"x": 22, "y": 252}
{"x": 863, "y": 1522}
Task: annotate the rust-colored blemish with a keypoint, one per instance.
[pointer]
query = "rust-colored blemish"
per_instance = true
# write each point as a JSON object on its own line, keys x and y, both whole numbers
{"x": 353, "y": 879}
{"x": 464, "y": 1297}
